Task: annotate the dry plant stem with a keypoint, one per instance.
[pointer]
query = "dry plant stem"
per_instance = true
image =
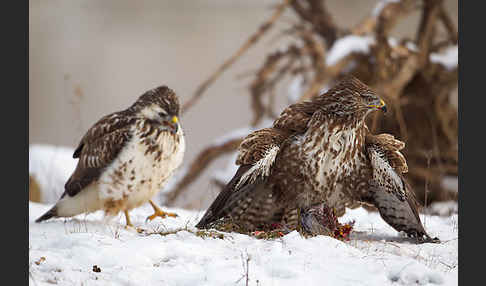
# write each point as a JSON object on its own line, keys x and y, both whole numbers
{"x": 320, "y": 19}
{"x": 259, "y": 85}
{"x": 316, "y": 52}
{"x": 449, "y": 25}
{"x": 251, "y": 41}
{"x": 386, "y": 21}
{"x": 391, "y": 11}
{"x": 198, "y": 166}
{"x": 395, "y": 86}
{"x": 426, "y": 29}
{"x": 271, "y": 85}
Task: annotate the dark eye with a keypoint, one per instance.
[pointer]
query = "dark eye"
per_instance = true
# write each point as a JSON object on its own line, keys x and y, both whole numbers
{"x": 162, "y": 114}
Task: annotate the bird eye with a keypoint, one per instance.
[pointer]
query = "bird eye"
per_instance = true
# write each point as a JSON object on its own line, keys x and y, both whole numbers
{"x": 162, "y": 114}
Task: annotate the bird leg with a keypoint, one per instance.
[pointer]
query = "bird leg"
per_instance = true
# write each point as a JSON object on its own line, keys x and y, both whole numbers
{"x": 159, "y": 212}
{"x": 127, "y": 217}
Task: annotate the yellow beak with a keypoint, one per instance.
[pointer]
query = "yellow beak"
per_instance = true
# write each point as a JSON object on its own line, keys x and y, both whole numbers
{"x": 175, "y": 119}
{"x": 381, "y": 106}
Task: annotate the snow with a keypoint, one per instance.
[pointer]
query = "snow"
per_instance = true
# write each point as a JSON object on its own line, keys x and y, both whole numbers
{"x": 448, "y": 58}
{"x": 411, "y": 46}
{"x": 445, "y": 208}
{"x": 347, "y": 45}
{"x": 393, "y": 42}
{"x": 451, "y": 183}
{"x": 51, "y": 166}
{"x": 375, "y": 255}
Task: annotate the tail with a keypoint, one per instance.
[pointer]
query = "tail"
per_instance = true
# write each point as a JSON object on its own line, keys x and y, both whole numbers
{"x": 49, "y": 214}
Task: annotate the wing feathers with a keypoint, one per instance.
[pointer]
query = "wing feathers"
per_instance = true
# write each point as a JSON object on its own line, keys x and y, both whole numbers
{"x": 219, "y": 206}
{"x": 257, "y": 154}
{"x": 391, "y": 150}
{"x": 98, "y": 148}
{"x": 256, "y": 145}
{"x": 392, "y": 195}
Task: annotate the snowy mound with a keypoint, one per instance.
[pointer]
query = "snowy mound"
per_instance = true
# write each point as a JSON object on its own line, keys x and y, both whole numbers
{"x": 51, "y": 167}
{"x": 89, "y": 250}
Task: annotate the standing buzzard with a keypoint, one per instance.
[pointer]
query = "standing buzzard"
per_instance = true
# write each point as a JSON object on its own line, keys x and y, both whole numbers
{"x": 319, "y": 151}
{"x": 125, "y": 159}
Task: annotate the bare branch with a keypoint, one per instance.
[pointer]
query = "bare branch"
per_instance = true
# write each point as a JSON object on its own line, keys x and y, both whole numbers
{"x": 250, "y": 42}
{"x": 320, "y": 19}
{"x": 199, "y": 164}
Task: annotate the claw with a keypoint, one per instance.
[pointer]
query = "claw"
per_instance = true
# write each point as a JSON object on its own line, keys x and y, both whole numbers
{"x": 159, "y": 212}
{"x": 428, "y": 239}
{"x": 137, "y": 229}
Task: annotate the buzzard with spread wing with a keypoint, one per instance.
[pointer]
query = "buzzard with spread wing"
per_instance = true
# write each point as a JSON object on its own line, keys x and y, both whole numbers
{"x": 319, "y": 151}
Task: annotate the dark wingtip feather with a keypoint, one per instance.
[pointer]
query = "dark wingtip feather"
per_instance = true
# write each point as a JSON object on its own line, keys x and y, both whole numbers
{"x": 49, "y": 214}
{"x": 201, "y": 225}
{"x": 219, "y": 206}
{"x": 207, "y": 220}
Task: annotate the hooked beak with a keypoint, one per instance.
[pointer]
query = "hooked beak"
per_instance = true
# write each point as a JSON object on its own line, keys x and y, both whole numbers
{"x": 381, "y": 106}
{"x": 174, "y": 124}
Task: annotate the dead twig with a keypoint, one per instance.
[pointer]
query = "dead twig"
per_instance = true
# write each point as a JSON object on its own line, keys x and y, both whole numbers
{"x": 199, "y": 164}
{"x": 250, "y": 42}
{"x": 315, "y": 13}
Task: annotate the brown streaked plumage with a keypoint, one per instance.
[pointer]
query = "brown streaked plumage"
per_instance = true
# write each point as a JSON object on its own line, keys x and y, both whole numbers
{"x": 318, "y": 151}
{"x": 125, "y": 158}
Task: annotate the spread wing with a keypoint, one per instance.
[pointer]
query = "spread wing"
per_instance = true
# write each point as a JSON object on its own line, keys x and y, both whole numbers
{"x": 391, "y": 194}
{"x": 98, "y": 148}
{"x": 245, "y": 193}
{"x": 391, "y": 148}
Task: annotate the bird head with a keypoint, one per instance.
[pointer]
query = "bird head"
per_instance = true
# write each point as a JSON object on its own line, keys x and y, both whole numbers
{"x": 160, "y": 106}
{"x": 351, "y": 97}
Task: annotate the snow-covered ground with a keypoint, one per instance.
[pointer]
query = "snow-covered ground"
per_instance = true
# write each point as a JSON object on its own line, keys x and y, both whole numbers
{"x": 51, "y": 166}
{"x": 66, "y": 251}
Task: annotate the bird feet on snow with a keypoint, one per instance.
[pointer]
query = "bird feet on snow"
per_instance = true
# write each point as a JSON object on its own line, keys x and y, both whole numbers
{"x": 135, "y": 228}
{"x": 425, "y": 238}
{"x": 159, "y": 212}
{"x": 130, "y": 226}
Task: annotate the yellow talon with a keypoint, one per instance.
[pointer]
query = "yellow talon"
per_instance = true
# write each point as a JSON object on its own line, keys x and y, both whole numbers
{"x": 159, "y": 212}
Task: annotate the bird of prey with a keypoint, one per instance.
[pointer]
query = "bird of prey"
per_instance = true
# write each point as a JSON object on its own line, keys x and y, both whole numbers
{"x": 318, "y": 151}
{"x": 125, "y": 159}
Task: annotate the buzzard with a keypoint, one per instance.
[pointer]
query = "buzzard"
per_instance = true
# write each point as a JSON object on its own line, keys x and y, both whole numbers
{"x": 125, "y": 159}
{"x": 319, "y": 151}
